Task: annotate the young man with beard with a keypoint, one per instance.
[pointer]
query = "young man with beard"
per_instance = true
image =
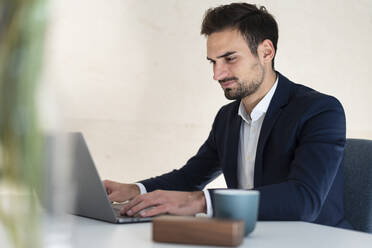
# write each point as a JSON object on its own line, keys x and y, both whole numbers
{"x": 278, "y": 137}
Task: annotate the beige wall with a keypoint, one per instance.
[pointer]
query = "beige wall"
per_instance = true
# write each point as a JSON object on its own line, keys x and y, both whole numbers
{"x": 132, "y": 74}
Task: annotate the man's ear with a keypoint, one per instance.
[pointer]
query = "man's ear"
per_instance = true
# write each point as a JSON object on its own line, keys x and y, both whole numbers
{"x": 266, "y": 51}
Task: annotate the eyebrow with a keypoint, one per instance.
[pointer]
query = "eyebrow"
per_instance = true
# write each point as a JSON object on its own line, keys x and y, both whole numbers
{"x": 223, "y": 55}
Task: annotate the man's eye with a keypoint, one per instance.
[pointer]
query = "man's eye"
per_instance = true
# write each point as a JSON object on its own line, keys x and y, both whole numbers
{"x": 229, "y": 59}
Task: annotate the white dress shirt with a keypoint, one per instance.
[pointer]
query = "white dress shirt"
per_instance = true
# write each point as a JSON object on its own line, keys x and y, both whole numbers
{"x": 248, "y": 140}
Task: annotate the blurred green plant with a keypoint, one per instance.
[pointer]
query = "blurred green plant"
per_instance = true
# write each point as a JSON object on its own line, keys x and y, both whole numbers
{"x": 22, "y": 26}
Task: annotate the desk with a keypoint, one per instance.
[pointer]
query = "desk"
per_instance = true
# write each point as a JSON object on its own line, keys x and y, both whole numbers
{"x": 84, "y": 232}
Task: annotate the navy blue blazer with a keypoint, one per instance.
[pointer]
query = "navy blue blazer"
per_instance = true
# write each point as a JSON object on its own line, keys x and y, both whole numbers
{"x": 299, "y": 158}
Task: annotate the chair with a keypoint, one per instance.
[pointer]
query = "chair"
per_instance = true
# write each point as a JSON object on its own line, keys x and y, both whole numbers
{"x": 358, "y": 184}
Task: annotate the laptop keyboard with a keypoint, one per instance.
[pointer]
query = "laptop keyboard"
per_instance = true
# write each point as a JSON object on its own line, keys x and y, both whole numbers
{"x": 118, "y": 206}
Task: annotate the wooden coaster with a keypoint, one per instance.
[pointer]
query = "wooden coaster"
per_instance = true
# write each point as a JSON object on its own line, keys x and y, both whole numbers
{"x": 198, "y": 231}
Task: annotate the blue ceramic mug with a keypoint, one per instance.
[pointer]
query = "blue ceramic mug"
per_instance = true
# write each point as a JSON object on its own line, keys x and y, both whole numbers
{"x": 237, "y": 204}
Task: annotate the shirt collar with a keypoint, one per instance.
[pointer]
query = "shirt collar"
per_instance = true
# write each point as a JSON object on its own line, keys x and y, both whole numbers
{"x": 262, "y": 106}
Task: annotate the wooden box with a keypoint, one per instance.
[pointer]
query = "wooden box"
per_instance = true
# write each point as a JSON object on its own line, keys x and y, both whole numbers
{"x": 198, "y": 231}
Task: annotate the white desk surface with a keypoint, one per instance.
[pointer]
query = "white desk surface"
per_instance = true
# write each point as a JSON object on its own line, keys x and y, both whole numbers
{"x": 82, "y": 232}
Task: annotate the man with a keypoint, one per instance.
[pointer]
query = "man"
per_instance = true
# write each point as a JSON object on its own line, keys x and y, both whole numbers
{"x": 280, "y": 138}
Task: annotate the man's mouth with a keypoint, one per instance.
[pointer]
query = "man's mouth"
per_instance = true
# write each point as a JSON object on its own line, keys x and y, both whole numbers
{"x": 226, "y": 83}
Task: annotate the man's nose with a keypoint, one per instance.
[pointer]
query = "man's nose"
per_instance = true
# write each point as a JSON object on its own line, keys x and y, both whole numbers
{"x": 219, "y": 72}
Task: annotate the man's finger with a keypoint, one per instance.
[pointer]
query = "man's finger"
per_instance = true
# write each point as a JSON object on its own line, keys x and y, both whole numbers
{"x": 111, "y": 197}
{"x": 106, "y": 184}
{"x": 131, "y": 203}
{"x": 115, "y": 197}
{"x": 139, "y": 207}
{"x": 161, "y": 209}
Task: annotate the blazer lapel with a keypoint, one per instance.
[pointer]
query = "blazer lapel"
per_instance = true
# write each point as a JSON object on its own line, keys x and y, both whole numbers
{"x": 280, "y": 98}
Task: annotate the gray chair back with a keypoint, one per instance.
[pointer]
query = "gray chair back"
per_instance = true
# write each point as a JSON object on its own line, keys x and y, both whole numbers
{"x": 358, "y": 184}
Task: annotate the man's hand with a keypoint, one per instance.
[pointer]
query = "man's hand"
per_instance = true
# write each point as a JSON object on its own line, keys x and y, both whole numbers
{"x": 166, "y": 202}
{"x": 120, "y": 192}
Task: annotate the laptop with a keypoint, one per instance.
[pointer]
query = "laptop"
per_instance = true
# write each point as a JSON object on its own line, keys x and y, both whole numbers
{"x": 91, "y": 199}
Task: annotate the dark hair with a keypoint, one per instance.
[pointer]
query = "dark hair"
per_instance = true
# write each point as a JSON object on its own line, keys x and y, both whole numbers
{"x": 255, "y": 24}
